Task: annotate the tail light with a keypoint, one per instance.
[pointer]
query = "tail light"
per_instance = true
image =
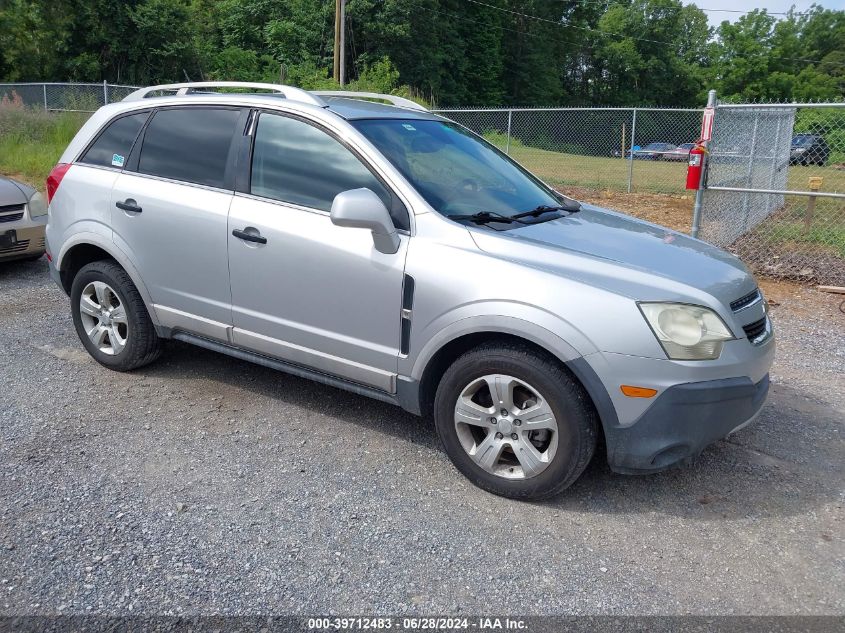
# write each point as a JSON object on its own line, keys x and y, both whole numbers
{"x": 55, "y": 179}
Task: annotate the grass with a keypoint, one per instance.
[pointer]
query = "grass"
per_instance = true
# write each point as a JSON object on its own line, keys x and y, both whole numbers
{"x": 31, "y": 141}
{"x": 827, "y": 229}
{"x": 595, "y": 172}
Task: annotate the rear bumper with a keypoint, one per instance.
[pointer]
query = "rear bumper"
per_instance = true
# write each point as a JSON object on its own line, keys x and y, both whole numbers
{"x": 684, "y": 420}
{"x": 56, "y": 276}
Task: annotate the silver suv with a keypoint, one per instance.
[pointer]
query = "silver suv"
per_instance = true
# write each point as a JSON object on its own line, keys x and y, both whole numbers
{"x": 388, "y": 251}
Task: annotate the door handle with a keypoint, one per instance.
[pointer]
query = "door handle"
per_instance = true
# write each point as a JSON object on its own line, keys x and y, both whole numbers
{"x": 129, "y": 205}
{"x": 249, "y": 237}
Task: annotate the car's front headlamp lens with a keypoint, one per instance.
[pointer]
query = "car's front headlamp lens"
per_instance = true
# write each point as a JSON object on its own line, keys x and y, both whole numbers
{"x": 687, "y": 332}
{"x": 37, "y": 205}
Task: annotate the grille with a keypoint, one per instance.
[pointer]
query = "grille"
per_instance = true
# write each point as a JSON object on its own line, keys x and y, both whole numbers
{"x": 11, "y": 212}
{"x": 754, "y": 330}
{"x": 17, "y": 247}
{"x": 747, "y": 300}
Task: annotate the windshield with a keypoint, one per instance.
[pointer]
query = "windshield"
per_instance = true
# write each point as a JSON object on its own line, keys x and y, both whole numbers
{"x": 686, "y": 146}
{"x": 800, "y": 141}
{"x": 455, "y": 171}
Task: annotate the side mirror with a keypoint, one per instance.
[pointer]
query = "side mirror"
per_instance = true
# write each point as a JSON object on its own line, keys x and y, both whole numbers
{"x": 362, "y": 209}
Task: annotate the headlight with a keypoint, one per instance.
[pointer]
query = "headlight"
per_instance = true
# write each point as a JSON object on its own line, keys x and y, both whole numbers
{"x": 687, "y": 332}
{"x": 37, "y": 205}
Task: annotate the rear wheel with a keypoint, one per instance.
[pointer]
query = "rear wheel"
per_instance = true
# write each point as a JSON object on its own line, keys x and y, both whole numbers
{"x": 515, "y": 422}
{"x": 111, "y": 319}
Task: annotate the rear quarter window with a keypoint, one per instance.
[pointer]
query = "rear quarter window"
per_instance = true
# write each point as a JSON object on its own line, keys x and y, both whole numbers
{"x": 111, "y": 148}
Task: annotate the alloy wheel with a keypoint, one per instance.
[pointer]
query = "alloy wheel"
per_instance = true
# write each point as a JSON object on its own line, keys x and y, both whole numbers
{"x": 103, "y": 317}
{"x": 506, "y": 426}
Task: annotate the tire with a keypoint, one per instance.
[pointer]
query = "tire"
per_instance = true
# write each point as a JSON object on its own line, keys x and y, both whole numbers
{"x": 130, "y": 339}
{"x": 550, "y": 388}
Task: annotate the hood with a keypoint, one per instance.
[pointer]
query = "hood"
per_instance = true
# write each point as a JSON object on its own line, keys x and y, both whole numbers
{"x": 12, "y": 192}
{"x": 627, "y": 243}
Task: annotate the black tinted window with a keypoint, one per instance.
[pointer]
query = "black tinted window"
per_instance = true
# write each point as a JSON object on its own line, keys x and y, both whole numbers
{"x": 190, "y": 144}
{"x": 298, "y": 163}
{"x": 112, "y": 146}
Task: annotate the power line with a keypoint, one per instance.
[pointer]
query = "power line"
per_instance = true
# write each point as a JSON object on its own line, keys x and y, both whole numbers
{"x": 561, "y": 23}
{"x": 569, "y": 24}
{"x": 607, "y": 3}
{"x": 502, "y": 28}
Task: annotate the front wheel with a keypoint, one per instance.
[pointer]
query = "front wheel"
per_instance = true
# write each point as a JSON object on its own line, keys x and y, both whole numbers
{"x": 514, "y": 421}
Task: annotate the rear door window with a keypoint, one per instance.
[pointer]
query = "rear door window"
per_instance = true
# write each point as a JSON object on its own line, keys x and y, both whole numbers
{"x": 189, "y": 144}
{"x": 111, "y": 149}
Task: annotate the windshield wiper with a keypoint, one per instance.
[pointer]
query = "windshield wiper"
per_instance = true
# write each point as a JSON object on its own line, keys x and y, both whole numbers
{"x": 483, "y": 217}
{"x": 545, "y": 208}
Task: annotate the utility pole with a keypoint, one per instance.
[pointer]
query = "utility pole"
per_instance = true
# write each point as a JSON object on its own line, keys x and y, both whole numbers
{"x": 340, "y": 41}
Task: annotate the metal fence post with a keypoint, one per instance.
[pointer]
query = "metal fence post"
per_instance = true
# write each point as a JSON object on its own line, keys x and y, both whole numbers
{"x": 749, "y": 178}
{"x": 775, "y": 147}
{"x": 508, "y": 142}
{"x": 45, "y": 96}
{"x": 699, "y": 194}
{"x": 631, "y": 155}
{"x": 105, "y": 93}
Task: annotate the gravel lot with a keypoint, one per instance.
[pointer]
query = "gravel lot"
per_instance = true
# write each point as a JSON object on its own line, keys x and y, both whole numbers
{"x": 203, "y": 484}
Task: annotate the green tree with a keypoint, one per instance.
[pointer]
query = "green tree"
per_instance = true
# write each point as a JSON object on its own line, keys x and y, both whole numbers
{"x": 457, "y": 52}
{"x": 651, "y": 52}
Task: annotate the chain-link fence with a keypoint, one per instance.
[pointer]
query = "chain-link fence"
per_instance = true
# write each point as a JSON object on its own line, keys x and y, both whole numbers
{"x": 775, "y": 190}
{"x": 63, "y": 96}
{"x": 601, "y": 155}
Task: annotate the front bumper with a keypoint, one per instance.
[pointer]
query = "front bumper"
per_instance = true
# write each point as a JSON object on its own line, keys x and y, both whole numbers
{"x": 30, "y": 241}
{"x": 684, "y": 420}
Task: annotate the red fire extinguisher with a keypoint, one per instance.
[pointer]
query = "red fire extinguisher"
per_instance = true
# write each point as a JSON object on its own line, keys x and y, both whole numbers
{"x": 696, "y": 165}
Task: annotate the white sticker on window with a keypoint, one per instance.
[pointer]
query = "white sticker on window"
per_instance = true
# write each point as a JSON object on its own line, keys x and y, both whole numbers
{"x": 117, "y": 160}
{"x": 410, "y": 127}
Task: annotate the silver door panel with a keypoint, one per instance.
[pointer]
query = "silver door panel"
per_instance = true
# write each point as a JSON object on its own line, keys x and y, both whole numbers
{"x": 178, "y": 241}
{"x": 315, "y": 294}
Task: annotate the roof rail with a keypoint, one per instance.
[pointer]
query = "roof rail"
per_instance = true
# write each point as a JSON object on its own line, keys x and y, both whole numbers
{"x": 400, "y": 102}
{"x": 288, "y": 92}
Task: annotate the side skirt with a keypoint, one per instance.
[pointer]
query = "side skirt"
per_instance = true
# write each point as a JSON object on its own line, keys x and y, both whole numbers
{"x": 288, "y": 368}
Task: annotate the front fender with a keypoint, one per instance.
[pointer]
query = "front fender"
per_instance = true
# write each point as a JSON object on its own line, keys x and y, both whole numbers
{"x": 538, "y": 331}
{"x": 538, "y": 326}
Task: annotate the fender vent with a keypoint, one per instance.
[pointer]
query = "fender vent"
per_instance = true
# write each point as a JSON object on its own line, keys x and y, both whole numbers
{"x": 407, "y": 307}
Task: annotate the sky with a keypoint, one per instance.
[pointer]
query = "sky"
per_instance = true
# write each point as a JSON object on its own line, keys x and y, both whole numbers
{"x": 717, "y": 17}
